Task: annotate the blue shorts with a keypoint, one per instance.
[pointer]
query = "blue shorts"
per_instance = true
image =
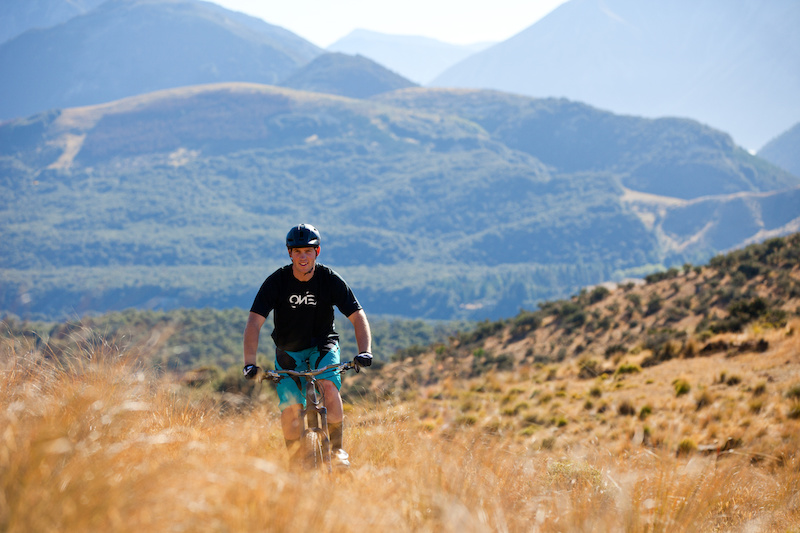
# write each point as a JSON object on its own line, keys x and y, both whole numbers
{"x": 292, "y": 391}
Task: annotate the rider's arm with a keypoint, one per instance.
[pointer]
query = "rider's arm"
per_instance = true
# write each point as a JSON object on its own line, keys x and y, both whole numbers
{"x": 363, "y": 333}
{"x": 251, "y": 333}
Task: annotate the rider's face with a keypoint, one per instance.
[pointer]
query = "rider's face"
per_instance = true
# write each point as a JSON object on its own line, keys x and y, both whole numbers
{"x": 303, "y": 261}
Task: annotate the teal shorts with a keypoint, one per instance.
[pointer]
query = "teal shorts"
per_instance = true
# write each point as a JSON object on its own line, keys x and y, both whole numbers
{"x": 292, "y": 391}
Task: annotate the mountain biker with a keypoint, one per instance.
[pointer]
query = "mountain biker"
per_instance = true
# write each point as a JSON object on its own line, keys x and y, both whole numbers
{"x": 302, "y": 295}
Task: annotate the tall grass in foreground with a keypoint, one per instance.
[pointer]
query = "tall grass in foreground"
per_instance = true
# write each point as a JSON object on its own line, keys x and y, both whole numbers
{"x": 97, "y": 443}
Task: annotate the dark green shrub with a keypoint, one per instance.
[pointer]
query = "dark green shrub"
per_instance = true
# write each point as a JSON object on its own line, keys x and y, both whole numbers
{"x": 589, "y": 368}
{"x": 615, "y": 349}
{"x": 793, "y": 392}
{"x": 664, "y": 344}
{"x": 660, "y": 276}
{"x": 675, "y": 314}
{"x": 744, "y": 311}
{"x": 686, "y": 447}
{"x": 749, "y": 269}
{"x": 654, "y": 304}
{"x": 525, "y": 323}
{"x": 626, "y": 408}
{"x": 733, "y": 380}
{"x": 629, "y": 368}
{"x": 635, "y": 299}
{"x": 681, "y": 387}
{"x": 598, "y": 294}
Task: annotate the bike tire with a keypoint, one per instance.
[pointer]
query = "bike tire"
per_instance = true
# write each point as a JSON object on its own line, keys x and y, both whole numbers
{"x": 314, "y": 452}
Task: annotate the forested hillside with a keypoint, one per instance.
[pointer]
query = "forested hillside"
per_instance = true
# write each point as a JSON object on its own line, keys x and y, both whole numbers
{"x": 437, "y": 204}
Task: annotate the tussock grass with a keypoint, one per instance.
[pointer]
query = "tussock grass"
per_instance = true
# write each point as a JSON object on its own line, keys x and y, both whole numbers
{"x": 95, "y": 441}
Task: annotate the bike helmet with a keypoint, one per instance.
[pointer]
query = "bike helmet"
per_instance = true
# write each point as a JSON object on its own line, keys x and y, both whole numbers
{"x": 302, "y": 235}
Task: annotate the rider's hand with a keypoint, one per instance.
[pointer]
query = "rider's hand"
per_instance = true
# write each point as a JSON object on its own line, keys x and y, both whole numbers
{"x": 250, "y": 371}
{"x": 363, "y": 359}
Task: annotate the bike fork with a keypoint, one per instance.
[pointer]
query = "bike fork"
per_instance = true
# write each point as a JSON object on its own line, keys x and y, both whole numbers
{"x": 317, "y": 417}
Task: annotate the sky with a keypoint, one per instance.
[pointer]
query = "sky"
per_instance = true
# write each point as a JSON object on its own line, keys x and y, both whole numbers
{"x": 324, "y": 22}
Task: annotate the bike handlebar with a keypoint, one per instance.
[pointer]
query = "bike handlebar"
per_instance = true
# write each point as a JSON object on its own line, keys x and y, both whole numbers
{"x": 277, "y": 375}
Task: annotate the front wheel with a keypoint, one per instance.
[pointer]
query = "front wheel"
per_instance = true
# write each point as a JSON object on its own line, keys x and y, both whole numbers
{"x": 315, "y": 452}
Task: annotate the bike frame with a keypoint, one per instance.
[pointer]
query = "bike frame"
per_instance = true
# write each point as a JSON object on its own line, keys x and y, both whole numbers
{"x": 314, "y": 414}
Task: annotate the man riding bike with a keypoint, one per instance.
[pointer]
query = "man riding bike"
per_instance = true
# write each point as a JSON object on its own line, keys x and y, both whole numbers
{"x": 302, "y": 296}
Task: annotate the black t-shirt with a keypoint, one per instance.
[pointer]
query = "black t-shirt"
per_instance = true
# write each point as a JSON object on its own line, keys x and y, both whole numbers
{"x": 304, "y": 309}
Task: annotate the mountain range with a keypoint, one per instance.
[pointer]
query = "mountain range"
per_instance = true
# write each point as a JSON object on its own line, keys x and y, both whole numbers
{"x": 731, "y": 64}
{"x": 433, "y": 203}
{"x": 784, "y": 150}
{"x": 345, "y": 75}
{"x": 129, "y": 47}
{"x": 437, "y": 203}
{"x": 19, "y": 16}
{"x": 419, "y": 59}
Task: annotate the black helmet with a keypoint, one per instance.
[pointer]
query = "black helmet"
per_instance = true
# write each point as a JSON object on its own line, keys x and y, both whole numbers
{"x": 302, "y": 235}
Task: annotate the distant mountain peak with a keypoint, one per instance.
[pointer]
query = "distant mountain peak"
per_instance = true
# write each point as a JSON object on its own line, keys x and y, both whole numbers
{"x": 731, "y": 64}
{"x": 346, "y": 75}
{"x": 128, "y": 47}
{"x": 417, "y": 58}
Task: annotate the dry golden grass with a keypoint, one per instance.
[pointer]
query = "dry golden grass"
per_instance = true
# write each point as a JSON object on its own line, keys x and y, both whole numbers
{"x": 99, "y": 443}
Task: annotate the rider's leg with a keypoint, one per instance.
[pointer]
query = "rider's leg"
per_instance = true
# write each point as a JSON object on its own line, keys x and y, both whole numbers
{"x": 333, "y": 402}
{"x": 291, "y": 399}
{"x": 329, "y": 383}
{"x": 291, "y": 422}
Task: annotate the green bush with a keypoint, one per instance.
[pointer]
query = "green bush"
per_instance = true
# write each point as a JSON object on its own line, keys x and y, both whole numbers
{"x": 793, "y": 392}
{"x": 686, "y": 446}
{"x": 654, "y": 304}
{"x": 664, "y": 344}
{"x": 681, "y": 387}
{"x": 615, "y": 349}
{"x": 628, "y": 368}
{"x": 660, "y": 276}
{"x": 525, "y": 323}
{"x": 598, "y": 294}
{"x": 589, "y": 368}
{"x": 626, "y": 408}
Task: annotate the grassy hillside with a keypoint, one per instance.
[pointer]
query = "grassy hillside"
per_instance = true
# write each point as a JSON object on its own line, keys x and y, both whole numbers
{"x": 475, "y": 434}
{"x": 682, "y": 313}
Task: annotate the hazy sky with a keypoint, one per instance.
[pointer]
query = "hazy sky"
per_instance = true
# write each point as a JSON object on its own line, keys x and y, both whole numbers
{"x": 323, "y": 22}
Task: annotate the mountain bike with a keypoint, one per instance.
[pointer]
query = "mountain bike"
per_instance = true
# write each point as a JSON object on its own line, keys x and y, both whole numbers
{"x": 315, "y": 440}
